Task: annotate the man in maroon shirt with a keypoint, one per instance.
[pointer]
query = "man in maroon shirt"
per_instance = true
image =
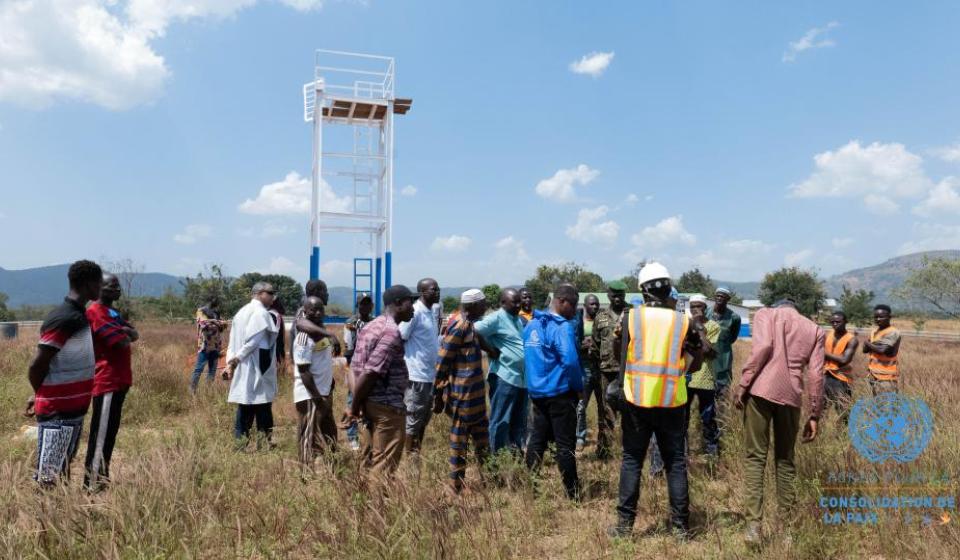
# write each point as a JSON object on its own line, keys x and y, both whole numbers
{"x": 112, "y": 378}
{"x": 771, "y": 392}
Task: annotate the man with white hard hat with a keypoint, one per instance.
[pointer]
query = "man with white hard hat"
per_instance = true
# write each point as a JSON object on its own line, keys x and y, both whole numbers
{"x": 660, "y": 346}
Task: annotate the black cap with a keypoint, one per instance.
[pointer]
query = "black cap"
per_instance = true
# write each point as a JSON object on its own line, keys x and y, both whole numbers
{"x": 362, "y": 296}
{"x": 396, "y": 294}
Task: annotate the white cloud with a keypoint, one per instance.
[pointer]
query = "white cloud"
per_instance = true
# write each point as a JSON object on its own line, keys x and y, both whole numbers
{"x": 648, "y": 198}
{"x": 880, "y": 205}
{"x": 560, "y": 187}
{"x": 932, "y": 237}
{"x": 744, "y": 246}
{"x": 879, "y": 173}
{"x": 942, "y": 199}
{"x": 949, "y": 153}
{"x": 409, "y": 190}
{"x": 510, "y": 250}
{"x": 283, "y": 265}
{"x": 292, "y": 196}
{"x": 798, "y": 258}
{"x": 451, "y": 244}
{"x": 669, "y": 231}
{"x": 632, "y": 199}
{"x": 814, "y": 38}
{"x": 268, "y": 230}
{"x": 192, "y": 233}
{"x": 97, "y": 51}
{"x": 841, "y": 242}
{"x": 593, "y": 64}
{"x": 590, "y": 229}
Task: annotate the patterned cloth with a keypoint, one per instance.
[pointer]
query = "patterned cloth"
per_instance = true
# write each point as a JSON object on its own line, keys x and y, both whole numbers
{"x": 704, "y": 378}
{"x": 460, "y": 379}
{"x": 379, "y": 352}
{"x": 57, "y": 442}
{"x": 209, "y": 330}
{"x": 606, "y": 348}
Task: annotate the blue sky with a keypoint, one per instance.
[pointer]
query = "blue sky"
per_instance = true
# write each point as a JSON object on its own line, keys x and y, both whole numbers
{"x": 738, "y": 138}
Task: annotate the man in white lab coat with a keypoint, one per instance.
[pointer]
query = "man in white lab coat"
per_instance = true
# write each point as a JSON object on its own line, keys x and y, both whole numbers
{"x": 251, "y": 364}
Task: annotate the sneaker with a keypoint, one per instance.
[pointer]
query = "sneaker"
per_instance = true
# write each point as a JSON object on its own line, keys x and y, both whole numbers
{"x": 580, "y": 445}
{"x": 751, "y": 535}
{"x": 354, "y": 445}
{"x": 619, "y": 531}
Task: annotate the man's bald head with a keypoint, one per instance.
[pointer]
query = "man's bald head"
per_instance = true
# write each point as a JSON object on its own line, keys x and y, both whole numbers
{"x": 429, "y": 291}
{"x": 510, "y": 301}
{"x": 110, "y": 290}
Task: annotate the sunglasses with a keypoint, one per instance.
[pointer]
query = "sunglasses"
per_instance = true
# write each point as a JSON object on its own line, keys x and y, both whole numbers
{"x": 272, "y": 293}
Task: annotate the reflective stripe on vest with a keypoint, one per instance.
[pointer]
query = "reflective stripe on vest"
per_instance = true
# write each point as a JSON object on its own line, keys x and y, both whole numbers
{"x": 838, "y": 347}
{"x": 655, "y": 366}
{"x": 882, "y": 367}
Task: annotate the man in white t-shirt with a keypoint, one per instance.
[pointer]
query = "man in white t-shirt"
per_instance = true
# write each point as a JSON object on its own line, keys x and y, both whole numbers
{"x": 313, "y": 386}
{"x": 421, "y": 343}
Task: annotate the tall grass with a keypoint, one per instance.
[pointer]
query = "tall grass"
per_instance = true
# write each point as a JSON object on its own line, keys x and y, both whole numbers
{"x": 181, "y": 491}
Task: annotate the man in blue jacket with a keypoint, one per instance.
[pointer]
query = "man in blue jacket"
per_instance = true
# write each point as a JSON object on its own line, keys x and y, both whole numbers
{"x": 555, "y": 384}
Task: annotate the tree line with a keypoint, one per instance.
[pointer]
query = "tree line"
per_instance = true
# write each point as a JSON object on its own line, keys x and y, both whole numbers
{"x": 935, "y": 286}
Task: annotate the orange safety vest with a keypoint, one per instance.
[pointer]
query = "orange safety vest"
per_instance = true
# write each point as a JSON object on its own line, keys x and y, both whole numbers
{"x": 838, "y": 347}
{"x": 655, "y": 365}
{"x": 882, "y": 367}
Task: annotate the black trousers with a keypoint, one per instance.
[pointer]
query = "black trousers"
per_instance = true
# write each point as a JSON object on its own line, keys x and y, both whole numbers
{"x": 104, "y": 425}
{"x": 669, "y": 425}
{"x": 555, "y": 419}
{"x": 247, "y": 413}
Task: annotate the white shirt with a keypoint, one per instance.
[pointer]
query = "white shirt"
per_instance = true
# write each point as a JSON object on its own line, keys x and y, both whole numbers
{"x": 319, "y": 356}
{"x": 253, "y": 331}
{"x": 421, "y": 337}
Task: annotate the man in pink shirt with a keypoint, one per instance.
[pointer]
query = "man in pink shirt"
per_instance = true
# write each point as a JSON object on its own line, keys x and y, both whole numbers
{"x": 771, "y": 392}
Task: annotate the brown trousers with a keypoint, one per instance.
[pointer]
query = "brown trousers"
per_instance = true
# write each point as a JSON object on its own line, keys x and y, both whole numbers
{"x": 316, "y": 428}
{"x": 382, "y": 437}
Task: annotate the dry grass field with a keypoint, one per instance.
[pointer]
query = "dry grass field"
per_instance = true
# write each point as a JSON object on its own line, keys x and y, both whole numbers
{"x": 181, "y": 491}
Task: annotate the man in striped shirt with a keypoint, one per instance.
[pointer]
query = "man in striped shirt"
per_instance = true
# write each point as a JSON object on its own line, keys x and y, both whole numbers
{"x": 61, "y": 375}
{"x": 461, "y": 390}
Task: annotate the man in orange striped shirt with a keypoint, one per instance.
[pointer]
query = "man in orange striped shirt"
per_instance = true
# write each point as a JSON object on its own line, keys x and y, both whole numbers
{"x": 839, "y": 349}
{"x": 883, "y": 348}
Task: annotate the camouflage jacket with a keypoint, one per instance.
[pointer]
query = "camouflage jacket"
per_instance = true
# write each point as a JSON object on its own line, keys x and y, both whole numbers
{"x": 606, "y": 341}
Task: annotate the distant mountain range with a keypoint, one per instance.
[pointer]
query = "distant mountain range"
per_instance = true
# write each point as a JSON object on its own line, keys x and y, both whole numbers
{"x": 881, "y": 279}
{"x": 46, "y": 285}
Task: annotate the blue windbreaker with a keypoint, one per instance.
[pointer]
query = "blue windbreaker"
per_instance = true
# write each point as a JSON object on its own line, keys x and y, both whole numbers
{"x": 552, "y": 363}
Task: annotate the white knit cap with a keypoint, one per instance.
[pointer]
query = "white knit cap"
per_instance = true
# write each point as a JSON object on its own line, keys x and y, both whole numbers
{"x": 471, "y": 296}
{"x": 698, "y": 299}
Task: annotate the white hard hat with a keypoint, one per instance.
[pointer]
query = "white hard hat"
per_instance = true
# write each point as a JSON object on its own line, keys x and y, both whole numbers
{"x": 653, "y": 271}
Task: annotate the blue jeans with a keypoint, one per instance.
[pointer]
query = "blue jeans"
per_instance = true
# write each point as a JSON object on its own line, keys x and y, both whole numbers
{"x": 508, "y": 414}
{"x": 669, "y": 426}
{"x": 211, "y": 359}
{"x": 352, "y": 433}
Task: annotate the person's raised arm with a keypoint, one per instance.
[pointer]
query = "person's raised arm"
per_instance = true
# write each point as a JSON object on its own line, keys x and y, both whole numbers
{"x": 317, "y": 332}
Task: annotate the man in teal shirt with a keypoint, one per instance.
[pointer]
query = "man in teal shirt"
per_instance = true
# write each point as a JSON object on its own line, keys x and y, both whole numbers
{"x": 502, "y": 331}
{"x": 729, "y": 331}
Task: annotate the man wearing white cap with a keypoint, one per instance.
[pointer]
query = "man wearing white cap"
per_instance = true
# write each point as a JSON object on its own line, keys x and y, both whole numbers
{"x": 460, "y": 388}
{"x": 660, "y": 346}
{"x": 701, "y": 383}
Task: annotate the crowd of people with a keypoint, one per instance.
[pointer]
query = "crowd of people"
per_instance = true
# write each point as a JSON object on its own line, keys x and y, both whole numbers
{"x": 643, "y": 365}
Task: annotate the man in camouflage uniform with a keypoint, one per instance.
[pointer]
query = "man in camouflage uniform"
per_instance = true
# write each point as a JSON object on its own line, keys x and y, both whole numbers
{"x": 605, "y": 358}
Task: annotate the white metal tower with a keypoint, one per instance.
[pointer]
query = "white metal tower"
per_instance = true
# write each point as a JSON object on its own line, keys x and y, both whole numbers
{"x": 353, "y": 157}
